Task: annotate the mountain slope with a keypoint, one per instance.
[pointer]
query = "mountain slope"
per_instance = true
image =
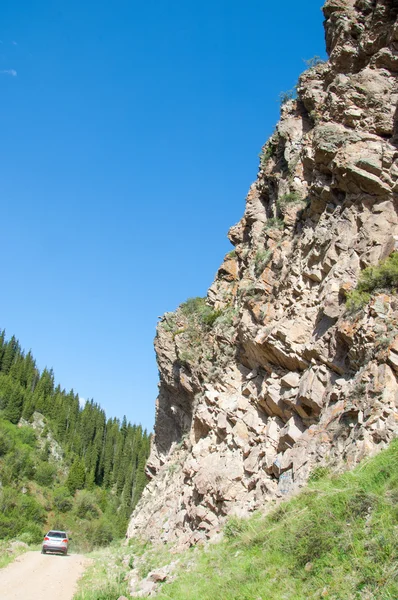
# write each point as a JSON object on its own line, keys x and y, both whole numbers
{"x": 62, "y": 465}
{"x": 275, "y": 372}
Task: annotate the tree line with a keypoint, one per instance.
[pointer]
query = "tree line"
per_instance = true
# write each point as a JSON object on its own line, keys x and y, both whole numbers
{"x": 100, "y": 452}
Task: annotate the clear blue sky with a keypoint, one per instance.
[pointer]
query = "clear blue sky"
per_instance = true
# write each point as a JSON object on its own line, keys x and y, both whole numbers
{"x": 130, "y": 134}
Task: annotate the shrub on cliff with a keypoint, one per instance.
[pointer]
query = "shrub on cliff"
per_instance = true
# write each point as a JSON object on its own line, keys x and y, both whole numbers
{"x": 383, "y": 276}
{"x": 261, "y": 260}
{"x": 196, "y": 309}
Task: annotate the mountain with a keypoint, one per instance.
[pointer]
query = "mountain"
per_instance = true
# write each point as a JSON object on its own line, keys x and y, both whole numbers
{"x": 62, "y": 465}
{"x": 290, "y": 363}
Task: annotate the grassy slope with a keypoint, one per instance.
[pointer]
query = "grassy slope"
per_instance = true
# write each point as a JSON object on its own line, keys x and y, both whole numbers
{"x": 337, "y": 540}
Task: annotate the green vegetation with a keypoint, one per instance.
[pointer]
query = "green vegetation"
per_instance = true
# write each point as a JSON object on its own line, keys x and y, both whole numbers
{"x": 199, "y": 318}
{"x": 227, "y": 318}
{"x": 356, "y": 300}
{"x": 290, "y": 198}
{"x": 75, "y": 470}
{"x": 193, "y": 323}
{"x": 314, "y": 61}
{"x": 100, "y": 582}
{"x": 261, "y": 260}
{"x": 10, "y": 550}
{"x": 274, "y": 223}
{"x": 284, "y": 97}
{"x": 337, "y": 539}
{"x": 383, "y": 276}
{"x": 196, "y": 310}
{"x": 269, "y": 150}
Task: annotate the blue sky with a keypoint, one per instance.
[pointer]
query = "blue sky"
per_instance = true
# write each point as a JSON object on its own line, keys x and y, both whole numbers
{"x": 130, "y": 134}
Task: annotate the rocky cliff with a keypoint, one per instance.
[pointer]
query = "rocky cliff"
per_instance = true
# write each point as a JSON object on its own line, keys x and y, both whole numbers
{"x": 273, "y": 377}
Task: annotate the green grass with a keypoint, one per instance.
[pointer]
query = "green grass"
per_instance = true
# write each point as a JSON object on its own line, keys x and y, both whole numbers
{"x": 291, "y": 198}
{"x": 108, "y": 576}
{"x": 9, "y": 552}
{"x": 338, "y": 539}
{"x": 105, "y": 577}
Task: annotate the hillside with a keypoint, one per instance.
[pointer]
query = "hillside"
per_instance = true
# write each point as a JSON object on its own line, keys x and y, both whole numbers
{"x": 290, "y": 362}
{"x": 336, "y": 539}
{"x": 62, "y": 465}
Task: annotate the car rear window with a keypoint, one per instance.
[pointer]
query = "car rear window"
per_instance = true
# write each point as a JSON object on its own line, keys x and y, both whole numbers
{"x": 56, "y": 534}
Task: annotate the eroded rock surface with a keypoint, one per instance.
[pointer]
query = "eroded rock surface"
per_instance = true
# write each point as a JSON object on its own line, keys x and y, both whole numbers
{"x": 285, "y": 379}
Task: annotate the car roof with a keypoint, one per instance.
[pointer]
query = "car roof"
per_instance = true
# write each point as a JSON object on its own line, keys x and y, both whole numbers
{"x": 57, "y": 531}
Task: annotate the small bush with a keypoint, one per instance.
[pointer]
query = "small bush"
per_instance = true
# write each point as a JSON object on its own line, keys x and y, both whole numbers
{"x": 186, "y": 357}
{"x": 226, "y": 319}
{"x": 356, "y": 300}
{"x": 314, "y": 61}
{"x": 274, "y": 223}
{"x": 284, "y": 97}
{"x": 318, "y": 473}
{"x": 107, "y": 592}
{"x": 379, "y": 277}
{"x": 9, "y": 527}
{"x": 268, "y": 152}
{"x": 382, "y": 276}
{"x": 168, "y": 322}
{"x": 4, "y": 443}
{"x": 196, "y": 309}
{"x": 99, "y": 532}
{"x": 45, "y": 474}
{"x": 290, "y": 198}
{"x": 31, "y": 509}
{"x": 261, "y": 260}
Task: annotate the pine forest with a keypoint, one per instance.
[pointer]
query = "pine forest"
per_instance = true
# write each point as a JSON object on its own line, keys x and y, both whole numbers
{"x": 62, "y": 465}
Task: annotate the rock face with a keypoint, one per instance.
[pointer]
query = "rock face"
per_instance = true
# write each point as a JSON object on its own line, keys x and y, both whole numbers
{"x": 278, "y": 378}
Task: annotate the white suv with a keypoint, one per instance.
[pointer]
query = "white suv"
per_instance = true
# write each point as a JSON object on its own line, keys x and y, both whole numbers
{"x": 55, "y": 541}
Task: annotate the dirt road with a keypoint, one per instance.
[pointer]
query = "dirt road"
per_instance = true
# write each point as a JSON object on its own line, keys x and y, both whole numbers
{"x": 35, "y": 576}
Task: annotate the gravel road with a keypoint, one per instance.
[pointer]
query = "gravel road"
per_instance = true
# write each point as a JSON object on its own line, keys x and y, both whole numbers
{"x": 35, "y": 576}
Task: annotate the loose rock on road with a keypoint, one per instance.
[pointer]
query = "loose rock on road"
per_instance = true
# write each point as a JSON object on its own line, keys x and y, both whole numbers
{"x": 35, "y": 576}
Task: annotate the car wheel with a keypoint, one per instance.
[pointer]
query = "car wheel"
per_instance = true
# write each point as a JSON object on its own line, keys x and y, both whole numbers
{"x": 43, "y": 551}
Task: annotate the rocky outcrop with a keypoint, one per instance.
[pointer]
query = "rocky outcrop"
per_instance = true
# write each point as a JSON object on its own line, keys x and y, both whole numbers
{"x": 277, "y": 378}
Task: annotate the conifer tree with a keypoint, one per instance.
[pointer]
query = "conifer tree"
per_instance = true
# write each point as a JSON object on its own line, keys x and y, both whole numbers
{"x": 10, "y": 352}
{"x": 13, "y": 409}
{"x": 76, "y": 476}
